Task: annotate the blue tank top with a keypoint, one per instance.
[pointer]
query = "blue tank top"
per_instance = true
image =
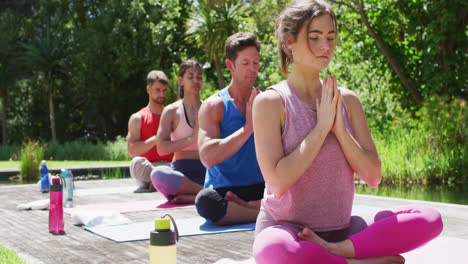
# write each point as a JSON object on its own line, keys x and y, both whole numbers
{"x": 242, "y": 168}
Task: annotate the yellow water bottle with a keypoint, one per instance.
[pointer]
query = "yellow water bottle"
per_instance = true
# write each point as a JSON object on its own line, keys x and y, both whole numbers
{"x": 163, "y": 241}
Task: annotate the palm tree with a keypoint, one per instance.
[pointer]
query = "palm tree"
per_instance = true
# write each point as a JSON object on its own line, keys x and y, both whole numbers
{"x": 45, "y": 56}
{"x": 211, "y": 23}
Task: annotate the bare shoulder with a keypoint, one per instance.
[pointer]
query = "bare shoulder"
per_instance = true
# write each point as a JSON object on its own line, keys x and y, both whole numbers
{"x": 212, "y": 107}
{"x": 351, "y": 99}
{"x": 134, "y": 118}
{"x": 268, "y": 98}
{"x": 172, "y": 108}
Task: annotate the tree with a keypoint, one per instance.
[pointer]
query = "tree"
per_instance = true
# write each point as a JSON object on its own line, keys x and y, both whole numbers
{"x": 424, "y": 42}
{"x": 210, "y": 23}
{"x": 10, "y": 28}
{"x": 45, "y": 56}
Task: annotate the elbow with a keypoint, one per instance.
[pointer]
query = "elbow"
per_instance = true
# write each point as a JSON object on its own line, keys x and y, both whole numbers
{"x": 206, "y": 162}
{"x": 162, "y": 151}
{"x": 206, "y": 159}
{"x": 131, "y": 152}
{"x": 374, "y": 183}
{"x": 375, "y": 177}
{"x": 277, "y": 191}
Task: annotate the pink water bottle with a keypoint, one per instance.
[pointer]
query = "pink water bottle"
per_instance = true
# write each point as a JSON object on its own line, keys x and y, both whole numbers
{"x": 56, "y": 208}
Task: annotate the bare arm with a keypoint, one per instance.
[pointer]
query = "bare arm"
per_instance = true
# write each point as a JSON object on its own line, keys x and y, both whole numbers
{"x": 214, "y": 150}
{"x": 360, "y": 150}
{"x": 279, "y": 171}
{"x": 135, "y": 146}
{"x": 169, "y": 119}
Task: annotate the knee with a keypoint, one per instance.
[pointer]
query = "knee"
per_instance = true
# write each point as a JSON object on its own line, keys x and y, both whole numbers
{"x": 135, "y": 164}
{"x": 140, "y": 169}
{"x": 277, "y": 245}
{"x": 210, "y": 205}
{"x": 137, "y": 161}
{"x": 432, "y": 219}
{"x": 166, "y": 180}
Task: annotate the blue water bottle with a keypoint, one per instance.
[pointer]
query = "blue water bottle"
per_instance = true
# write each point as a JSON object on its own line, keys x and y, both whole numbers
{"x": 68, "y": 187}
{"x": 44, "y": 178}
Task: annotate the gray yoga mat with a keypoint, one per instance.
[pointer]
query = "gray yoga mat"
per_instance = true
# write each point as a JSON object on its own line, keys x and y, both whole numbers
{"x": 187, "y": 227}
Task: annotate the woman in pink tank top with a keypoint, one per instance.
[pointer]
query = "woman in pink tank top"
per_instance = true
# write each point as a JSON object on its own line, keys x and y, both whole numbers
{"x": 311, "y": 137}
{"x": 177, "y": 133}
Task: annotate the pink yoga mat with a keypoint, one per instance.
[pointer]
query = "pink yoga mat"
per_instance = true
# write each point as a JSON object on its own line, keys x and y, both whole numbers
{"x": 128, "y": 207}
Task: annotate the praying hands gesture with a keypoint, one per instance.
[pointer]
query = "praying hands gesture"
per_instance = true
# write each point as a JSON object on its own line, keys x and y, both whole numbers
{"x": 329, "y": 107}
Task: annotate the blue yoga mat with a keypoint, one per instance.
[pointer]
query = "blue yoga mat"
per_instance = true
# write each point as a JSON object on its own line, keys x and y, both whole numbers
{"x": 187, "y": 227}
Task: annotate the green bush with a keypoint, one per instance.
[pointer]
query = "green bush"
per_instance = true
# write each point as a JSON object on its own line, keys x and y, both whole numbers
{"x": 31, "y": 156}
{"x": 83, "y": 150}
{"x": 430, "y": 146}
{"x": 8, "y": 152}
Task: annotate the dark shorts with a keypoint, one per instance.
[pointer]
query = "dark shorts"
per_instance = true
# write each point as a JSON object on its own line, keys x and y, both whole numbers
{"x": 193, "y": 169}
{"x": 211, "y": 205}
{"x": 247, "y": 193}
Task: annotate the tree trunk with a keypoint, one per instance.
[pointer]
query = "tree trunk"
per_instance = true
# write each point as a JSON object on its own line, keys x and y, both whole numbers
{"x": 52, "y": 115}
{"x": 4, "y": 118}
{"x": 219, "y": 71}
{"x": 407, "y": 82}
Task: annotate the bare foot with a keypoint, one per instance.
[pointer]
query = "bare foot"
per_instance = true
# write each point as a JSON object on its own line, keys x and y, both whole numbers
{"x": 309, "y": 235}
{"x": 183, "y": 199}
{"x": 397, "y": 259}
{"x": 230, "y": 196}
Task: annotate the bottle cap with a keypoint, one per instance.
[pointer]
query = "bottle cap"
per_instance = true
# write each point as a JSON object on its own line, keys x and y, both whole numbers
{"x": 44, "y": 162}
{"x": 162, "y": 235}
{"x": 56, "y": 186}
{"x": 162, "y": 224}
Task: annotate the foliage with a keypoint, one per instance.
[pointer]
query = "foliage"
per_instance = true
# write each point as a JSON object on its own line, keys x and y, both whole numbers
{"x": 10, "y": 26}
{"x": 82, "y": 150}
{"x": 211, "y": 23}
{"x": 8, "y": 152}
{"x": 8, "y": 256}
{"x": 112, "y": 174}
{"x": 31, "y": 157}
{"x": 431, "y": 147}
{"x": 107, "y": 47}
{"x": 422, "y": 43}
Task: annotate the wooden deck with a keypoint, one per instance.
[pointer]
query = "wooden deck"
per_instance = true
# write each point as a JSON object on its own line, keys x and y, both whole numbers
{"x": 27, "y": 231}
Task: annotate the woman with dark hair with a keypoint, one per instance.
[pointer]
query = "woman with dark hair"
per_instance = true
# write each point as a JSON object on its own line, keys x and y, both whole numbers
{"x": 311, "y": 137}
{"x": 177, "y": 134}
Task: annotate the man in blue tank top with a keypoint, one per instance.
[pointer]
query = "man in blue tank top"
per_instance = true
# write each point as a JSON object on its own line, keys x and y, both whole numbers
{"x": 234, "y": 185}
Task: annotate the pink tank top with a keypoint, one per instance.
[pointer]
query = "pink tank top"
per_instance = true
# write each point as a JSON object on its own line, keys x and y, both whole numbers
{"x": 183, "y": 129}
{"x": 323, "y": 196}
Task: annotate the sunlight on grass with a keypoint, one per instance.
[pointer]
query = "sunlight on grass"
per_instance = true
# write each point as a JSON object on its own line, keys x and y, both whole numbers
{"x": 8, "y": 256}
{"x": 64, "y": 163}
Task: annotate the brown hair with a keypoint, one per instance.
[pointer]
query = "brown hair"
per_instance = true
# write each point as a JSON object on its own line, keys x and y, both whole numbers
{"x": 184, "y": 66}
{"x": 240, "y": 41}
{"x": 156, "y": 76}
{"x": 292, "y": 20}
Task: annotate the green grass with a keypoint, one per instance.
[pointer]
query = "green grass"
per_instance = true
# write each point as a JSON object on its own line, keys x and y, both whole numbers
{"x": 8, "y": 256}
{"x": 65, "y": 163}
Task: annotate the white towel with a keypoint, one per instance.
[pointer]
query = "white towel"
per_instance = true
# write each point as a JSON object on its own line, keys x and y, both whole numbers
{"x": 98, "y": 218}
{"x": 34, "y": 205}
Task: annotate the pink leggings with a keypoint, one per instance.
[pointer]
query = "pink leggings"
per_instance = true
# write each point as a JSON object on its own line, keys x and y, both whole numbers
{"x": 390, "y": 232}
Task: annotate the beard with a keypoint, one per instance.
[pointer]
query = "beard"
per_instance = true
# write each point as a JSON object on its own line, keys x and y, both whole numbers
{"x": 159, "y": 100}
